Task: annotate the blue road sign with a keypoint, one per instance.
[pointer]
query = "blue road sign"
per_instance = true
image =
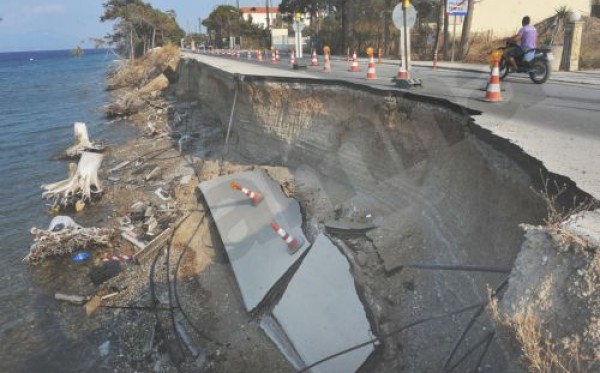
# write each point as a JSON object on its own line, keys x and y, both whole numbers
{"x": 457, "y": 7}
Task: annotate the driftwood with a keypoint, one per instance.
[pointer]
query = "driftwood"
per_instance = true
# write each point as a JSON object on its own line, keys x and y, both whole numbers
{"x": 82, "y": 141}
{"x": 65, "y": 239}
{"x": 80, "y": 182}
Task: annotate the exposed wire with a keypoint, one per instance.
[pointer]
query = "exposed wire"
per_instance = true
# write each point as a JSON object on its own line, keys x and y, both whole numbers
{"x": 485, "y": 340}
{"x": 394, "y": 332}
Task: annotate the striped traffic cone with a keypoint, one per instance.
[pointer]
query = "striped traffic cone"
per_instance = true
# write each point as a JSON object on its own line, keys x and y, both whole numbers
{"x": 293, "y": 58}
{"x": 493, "y": 92}
{"x": 277, "y": 57}
{"x": 237, "y": 54}
{"x": 259, "y": 55}
{"x": 292, "y": 243}
{"x": 315, "y": 60}
{"x": 255, "y": 197}
{"x": 273, "y": 58}
{"x": 354, "y": 68}
{"x": 327, "y": 64}
{"x": 249, "y": 55}
{"x": 371, "y": 74}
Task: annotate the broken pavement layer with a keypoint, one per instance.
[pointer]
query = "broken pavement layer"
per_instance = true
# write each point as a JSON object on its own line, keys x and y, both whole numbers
{"x": 258, "y": 256}
{"x": 320, "y": 314}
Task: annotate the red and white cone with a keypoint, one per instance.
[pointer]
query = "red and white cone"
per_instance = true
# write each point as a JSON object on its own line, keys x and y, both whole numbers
{"x": 255, "y": 197}
{"x": 273, "y": 58}
{"x": 327, "y": 64}
{"x": 292, "y": 243}
{"x": 315, "y": 60}
{"x": 293, "y": 58}
{"x": 402, "y": 73}
{"x": 259, "y": 55}
{"x": 249, "y": 55}
{"x": 117, "y": 258}
{"x": 371, "y": 74}
{"x": 277, "y": 57}
{"x": 354, "y": 68}
{"x": 493, "y": 92}
{"x": 237, "y": 55}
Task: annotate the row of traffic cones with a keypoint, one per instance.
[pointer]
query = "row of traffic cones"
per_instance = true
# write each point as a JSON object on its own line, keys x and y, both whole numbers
{"x": 293, "y": 243}
{"x": 493, "y": 89}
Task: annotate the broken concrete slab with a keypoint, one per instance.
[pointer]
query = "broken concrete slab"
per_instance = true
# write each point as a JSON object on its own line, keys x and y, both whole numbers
{"x": 258, "y": 256}
{"x": 585, "y": 225}
{"x": 320, "y": 314}
{"x": 348, "y": 226}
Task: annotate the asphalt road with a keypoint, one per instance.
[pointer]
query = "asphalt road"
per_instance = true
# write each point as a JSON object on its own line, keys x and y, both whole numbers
{"x": 557, "y": 122}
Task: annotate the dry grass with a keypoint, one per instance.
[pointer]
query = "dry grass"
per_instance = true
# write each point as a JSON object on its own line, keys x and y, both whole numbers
{"x": 483, "y": 43}
{"x": 540, "y": 351}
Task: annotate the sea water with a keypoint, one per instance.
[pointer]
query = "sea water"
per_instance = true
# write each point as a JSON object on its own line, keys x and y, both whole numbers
{"x": 41, "y": 95}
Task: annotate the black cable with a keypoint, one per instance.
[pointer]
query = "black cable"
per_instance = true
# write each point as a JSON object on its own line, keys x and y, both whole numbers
{"x": 138, "y": 308}
{"x": 394, "y": 332}
{"x": 482, "y": 356}
{"x": 470, "y": 324}
{"x": 487, "y": 338}
{"x": 463, "y": 267}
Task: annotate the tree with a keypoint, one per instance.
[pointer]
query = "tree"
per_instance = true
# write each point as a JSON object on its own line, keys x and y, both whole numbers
{"x": 137, "y": 24}
{"x": 439, "y": 28}
{"x": 226, "y": 21}
{"x": 466, "y": 31}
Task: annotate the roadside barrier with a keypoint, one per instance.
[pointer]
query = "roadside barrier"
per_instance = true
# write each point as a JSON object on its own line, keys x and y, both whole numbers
{"x": 354, "y": 68}
{"x": 403, "y": 73}
{"x": 292, "y": 243}
{"x": 255, "y": 197}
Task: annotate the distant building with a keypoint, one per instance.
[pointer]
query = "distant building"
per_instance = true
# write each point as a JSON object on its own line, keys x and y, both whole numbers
{"x": 259, "y": 14}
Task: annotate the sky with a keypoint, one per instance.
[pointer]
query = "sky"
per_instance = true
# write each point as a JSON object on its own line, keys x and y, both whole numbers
{"x": 64, "y": 24}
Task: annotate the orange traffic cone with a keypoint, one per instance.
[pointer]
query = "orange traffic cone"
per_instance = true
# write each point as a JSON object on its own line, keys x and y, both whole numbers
{"x": 315, "y": 60}
{"x": 293, "y": 58}
{"x": 371, "y": 74}
{"x": 277, "y": 58}
{"x": 254, "y": 196}
{"x": 292, "y": 243}
{"x": 327, "y": 64}
{"x": 493, "y": 93}
{"x": 249, "y": 55}
{"x": 354, "y": 68}
{"x": 259, "y": 55}
{"x": 273, "y": 59}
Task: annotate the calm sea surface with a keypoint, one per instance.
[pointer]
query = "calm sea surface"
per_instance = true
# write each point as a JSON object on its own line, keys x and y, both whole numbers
{"x": 41, "y": 95}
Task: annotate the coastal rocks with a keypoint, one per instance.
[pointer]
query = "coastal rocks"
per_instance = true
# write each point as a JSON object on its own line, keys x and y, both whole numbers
{"x": 160, "y": 83}
{"x": 82, "y": 142}
{"x": 82, "y": 182}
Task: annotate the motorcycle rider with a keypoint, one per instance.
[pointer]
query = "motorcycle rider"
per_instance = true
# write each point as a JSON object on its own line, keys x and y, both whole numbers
{"x": 528, "y": 36}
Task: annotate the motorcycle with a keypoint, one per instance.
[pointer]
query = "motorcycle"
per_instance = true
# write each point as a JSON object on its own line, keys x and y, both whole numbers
{"x": 535, "y": 62}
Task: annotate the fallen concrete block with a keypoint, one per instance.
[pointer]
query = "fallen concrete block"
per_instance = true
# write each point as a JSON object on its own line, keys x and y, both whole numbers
{"x": 348, "y": 227}
{"x": 320, "y": 314}
{"x": 258, "y": 256}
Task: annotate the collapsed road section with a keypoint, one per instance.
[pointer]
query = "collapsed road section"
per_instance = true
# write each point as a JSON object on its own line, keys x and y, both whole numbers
{"x": 438, "y": 202}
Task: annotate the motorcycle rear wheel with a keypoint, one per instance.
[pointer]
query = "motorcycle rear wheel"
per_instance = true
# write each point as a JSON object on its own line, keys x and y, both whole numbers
{"x": 504, "y": 69}
{"x": 539, "y": 71}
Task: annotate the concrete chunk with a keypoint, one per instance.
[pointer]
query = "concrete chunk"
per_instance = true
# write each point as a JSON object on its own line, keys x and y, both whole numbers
{"x": 321, "y": 314}
{"x": 258, "y": 256}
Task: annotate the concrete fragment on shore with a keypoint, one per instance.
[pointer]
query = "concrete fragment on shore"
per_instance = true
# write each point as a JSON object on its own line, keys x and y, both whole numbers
{"x": 320, "y": 314}
{"x": 258, "y": 256}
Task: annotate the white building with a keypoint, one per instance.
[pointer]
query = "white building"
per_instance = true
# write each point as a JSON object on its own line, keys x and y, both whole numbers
{"x": 259, "y": 14}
